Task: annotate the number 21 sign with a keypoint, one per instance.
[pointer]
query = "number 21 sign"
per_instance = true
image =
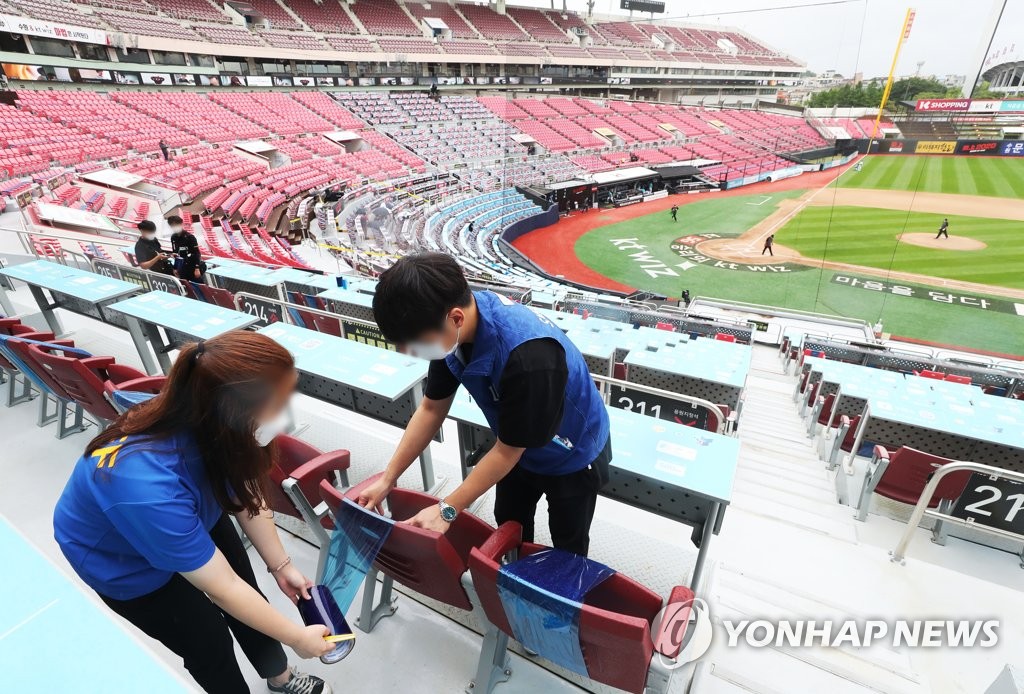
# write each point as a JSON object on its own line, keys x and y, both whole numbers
{"x": 994, "y": 502}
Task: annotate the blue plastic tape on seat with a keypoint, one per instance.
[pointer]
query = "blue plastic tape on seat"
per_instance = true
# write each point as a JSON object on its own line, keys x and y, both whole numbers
{"x": 126, "y": 399}
{"x": 543, "y": 596}
{"x": 358, "y": 536}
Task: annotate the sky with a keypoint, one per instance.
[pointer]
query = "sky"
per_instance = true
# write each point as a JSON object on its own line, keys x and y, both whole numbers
{"x": 855, "y": 36}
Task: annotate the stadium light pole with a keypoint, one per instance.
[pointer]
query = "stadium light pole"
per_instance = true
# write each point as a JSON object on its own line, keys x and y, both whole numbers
{"x": 908, "y": 21}
{"x": 984, "y": 48}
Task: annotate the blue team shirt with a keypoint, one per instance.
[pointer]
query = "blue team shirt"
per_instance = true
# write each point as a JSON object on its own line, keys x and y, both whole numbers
{"x": 134, "y": 513}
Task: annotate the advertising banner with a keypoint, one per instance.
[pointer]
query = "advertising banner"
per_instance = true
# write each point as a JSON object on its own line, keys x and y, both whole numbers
{"x": 943, "y": 104}
{"x": 13, "y": 24}
{"x": 935, "y": 147}
{"x": 978, "y": 147}
{"x": 1012, "y": 149}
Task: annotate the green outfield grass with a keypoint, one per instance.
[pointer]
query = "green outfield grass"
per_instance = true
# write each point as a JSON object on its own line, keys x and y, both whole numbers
{"x": 869, "y": 236}
{"x": 992, "y": 176}
{"x": 919, "y": 316}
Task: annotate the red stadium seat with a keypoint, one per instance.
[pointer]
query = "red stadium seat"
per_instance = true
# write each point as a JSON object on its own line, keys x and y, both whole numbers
{"x": 725, "y": 337}
{"x": 295, "y": 479}
{"x": 935, "y": 375}
{"x": 615, "y": 620}
{"x": 902, "y": 476}
{"x": 428, "y": 562}
{"x": 966, "y": 380}
{"x": 86, "y": 380}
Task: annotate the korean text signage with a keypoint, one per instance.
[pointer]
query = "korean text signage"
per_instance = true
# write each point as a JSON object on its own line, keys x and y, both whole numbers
{"x": 625, "y": 398}
{"x": 943, "y": 104}
{"x": 993, "y": 148}
{"x": 928, "y": 294}
{"x": 935, "y": 147}
{"x": 147, "y": 280}
{"x": 51, "y": 30}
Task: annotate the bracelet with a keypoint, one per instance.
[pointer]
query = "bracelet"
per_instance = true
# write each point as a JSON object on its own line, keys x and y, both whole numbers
{"x": 286, "y": 562}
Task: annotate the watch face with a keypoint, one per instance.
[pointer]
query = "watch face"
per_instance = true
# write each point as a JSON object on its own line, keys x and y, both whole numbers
{"x": 448, "y": 513}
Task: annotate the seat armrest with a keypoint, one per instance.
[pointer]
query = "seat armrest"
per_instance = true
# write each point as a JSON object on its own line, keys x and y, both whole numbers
{"x": 880, "y": 453}
{"x": 503, "y": 540}
{"x": 96, "y": 363}
{"x": 310, "y": 473}
{"x": 118, "y": 373}
{"x": 675, "y": 619}
{"x": 146, "y": 384}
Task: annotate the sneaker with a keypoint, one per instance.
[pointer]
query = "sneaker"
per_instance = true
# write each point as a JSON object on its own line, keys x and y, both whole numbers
{"x": 301, "y": 683}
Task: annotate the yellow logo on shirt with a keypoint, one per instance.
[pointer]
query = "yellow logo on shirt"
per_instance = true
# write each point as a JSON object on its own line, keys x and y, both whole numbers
{"x": 108, "y": 454}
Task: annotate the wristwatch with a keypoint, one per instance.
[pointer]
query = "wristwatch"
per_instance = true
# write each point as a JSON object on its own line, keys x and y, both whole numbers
{"x": 448, "y": 512}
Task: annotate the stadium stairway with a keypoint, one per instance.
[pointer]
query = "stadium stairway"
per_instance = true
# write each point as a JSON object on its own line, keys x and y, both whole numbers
{"x": 787, "y": 501}
{"x": 780, "y": 474}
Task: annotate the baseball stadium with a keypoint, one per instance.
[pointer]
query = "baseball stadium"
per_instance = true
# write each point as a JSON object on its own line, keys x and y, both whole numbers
{"x": 610, "y": 346}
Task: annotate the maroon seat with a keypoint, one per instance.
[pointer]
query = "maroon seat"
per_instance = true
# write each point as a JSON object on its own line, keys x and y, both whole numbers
{"x": 615, "y": 621}
{"x": 845, "y": 438}
{"x": 430, "y": 563}
{"x": 725, "y": 337}
{"x": 121, "y": 377}
{"x": 85, "y": 380}
{"x": 954, "y": 378}
{"x": 902, "y": 476}
{"x": 307, "y": 466}
{"x": 294, "y": 488}
{"x": 14, "y": 327}
{"x": 220, "y": 297}
{"x": 328, "y": 324}
{"x": 828, "y": 403}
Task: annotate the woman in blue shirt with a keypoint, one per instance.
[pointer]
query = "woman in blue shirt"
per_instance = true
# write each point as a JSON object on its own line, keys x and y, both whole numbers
{"x": 144, "y": 520}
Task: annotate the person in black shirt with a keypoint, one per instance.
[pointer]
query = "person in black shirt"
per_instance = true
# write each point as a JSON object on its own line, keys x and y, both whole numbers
{"x": 148, "y": 253}
{"x": 185, "y": 245}
{"x": 164, "y": 150}
{"x": 674, "y": 211}
{"x": 532, "y": 384}
{"x": 943, "y": 229}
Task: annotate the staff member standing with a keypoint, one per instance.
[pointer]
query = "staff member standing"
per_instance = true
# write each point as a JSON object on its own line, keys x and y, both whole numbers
{"x": 144, "y": 521}
{"x": 148, "y": 253}
{"x": 943, "y": 229}
{"x": 531, "y": 383}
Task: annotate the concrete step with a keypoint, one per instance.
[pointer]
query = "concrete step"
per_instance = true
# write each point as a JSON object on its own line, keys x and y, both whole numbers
{"x": 739, "y": 595}
{"x": 824, "y": 518}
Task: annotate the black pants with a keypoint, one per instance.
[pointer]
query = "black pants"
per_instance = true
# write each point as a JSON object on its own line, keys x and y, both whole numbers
{"x": 183, "y": 619}
{"x": 767, "y": 249}
{"x": 571, "y": 499}
{"x": 942, "y": 232}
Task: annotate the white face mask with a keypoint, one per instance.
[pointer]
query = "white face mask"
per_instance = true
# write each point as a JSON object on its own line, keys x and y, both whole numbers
{"x": 432, "y": 351}
{"x": 268, "y": 431}
{"x": 149, "y": 236}
{"x": 175, "y": 230}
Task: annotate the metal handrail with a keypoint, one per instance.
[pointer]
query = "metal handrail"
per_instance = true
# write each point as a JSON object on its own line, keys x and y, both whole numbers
{"x": 921, "y": 509}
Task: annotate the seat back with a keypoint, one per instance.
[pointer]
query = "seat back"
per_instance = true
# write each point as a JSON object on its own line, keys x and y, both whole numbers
{"x": 80, "y": 377}
{"x": 292, "y": 452}
{"x": 936, "y": 375}
{"x": 615, "y": 621}
{"x": 23, "y": 360}
{"x": 825, "y": 414}
{"x": 327, "y": 324}
{"x": 851, "y": 434}
{"x": 665, "y": 326}
{"x": 725, "y": 337}
{"x": 428, "y": 562}
{"x": 954, "y": 378}
{"x": 220, "y": 297}
{"x": 909, "y": 471}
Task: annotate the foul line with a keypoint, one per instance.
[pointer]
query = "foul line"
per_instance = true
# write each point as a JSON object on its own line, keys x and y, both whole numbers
{"x": 803, "y": 203}
{"x": 767, "y": 198}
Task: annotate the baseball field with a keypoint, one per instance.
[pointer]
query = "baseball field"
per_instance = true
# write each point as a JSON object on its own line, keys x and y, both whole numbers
{"x": 858, "y": 244}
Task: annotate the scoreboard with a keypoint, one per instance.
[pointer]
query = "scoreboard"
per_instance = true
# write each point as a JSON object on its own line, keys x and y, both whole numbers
{"x": 642, "y": 5}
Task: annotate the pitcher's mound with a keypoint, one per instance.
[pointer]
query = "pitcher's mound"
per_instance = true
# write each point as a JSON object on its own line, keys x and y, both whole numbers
{"x": 953, "y": 243}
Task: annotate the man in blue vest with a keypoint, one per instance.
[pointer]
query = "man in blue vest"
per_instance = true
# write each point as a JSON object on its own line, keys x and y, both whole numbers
{"x": 530, "y": 381}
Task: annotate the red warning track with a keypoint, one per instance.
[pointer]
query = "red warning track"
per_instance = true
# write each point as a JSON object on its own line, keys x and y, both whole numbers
{"x": 553, "y": 248}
